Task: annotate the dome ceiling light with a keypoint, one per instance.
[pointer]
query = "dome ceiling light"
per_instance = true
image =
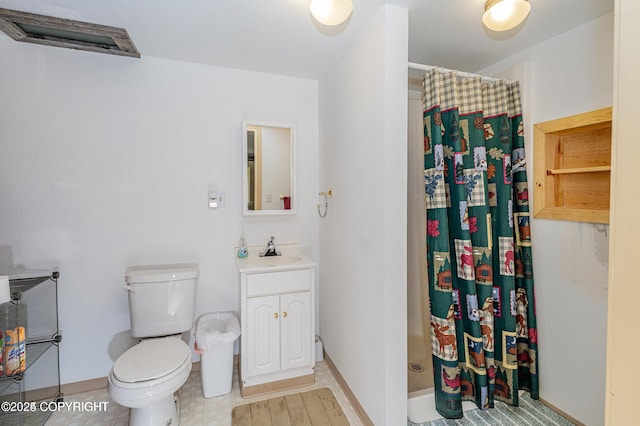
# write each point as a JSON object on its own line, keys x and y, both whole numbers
{"x": 503, "y": 15}
{"x": 331, "y": 12}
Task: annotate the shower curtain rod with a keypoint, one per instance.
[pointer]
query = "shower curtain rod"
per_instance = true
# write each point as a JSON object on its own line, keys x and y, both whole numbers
{"x": 462, "y": 74}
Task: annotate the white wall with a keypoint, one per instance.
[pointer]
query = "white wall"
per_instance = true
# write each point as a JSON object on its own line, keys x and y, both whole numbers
{"x": 363, "y": 158}
{"x": 105, "y": 163}
{"x": 569, "y": 74}
{"x": 624, "y": 292}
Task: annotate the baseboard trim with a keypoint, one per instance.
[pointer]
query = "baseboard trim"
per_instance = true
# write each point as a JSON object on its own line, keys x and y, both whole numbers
{"x": 101, "y": 382}
{"x": 562, "y": 413}
{"x": 84, "y": 386}
{"x": 277, "y": 386}
{"x": 347, "y": 391}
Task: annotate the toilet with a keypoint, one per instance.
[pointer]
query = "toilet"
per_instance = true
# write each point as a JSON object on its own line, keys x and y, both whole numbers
{"x": 147, "y": 376}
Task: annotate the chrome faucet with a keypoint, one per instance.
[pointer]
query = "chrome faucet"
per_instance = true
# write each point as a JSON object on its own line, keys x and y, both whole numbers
{"x": 271, "y": 249}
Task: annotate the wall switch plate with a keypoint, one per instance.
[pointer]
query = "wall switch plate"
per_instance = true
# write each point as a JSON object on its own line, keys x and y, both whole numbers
{"x": 213, "y": 196}
{"x": 222, "y": 199}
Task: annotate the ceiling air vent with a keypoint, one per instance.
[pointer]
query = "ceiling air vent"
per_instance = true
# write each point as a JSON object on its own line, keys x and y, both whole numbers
{"x": 50, "y": 31}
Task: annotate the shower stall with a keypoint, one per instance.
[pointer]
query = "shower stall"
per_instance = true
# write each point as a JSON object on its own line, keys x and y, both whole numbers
{"x": 421, "y": 401}
{"x": 476, "y": 163}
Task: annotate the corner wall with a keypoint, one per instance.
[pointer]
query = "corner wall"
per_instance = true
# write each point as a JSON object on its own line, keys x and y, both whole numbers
{"x": 363, "y": 158}
{"x": 624, "y": 292}
{"x": 566, "y": 75}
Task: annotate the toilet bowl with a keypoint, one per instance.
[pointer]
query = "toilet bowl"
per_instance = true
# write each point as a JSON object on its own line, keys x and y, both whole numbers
{"x": 146, "y": 377}
{"x": 161, "y": 308}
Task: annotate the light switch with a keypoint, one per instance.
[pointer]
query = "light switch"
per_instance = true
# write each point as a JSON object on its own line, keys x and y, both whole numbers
{"x": 213, "y": 196}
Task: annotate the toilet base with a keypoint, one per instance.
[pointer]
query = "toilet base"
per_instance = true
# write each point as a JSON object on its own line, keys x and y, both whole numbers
{"x": 163, "y": 412}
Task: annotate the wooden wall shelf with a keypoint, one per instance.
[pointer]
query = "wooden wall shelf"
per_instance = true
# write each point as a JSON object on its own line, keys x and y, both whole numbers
{"x": 572, "y": 167}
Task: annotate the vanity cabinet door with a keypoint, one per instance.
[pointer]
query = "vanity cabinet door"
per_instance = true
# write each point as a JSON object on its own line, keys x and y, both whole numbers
{"x": 263, "y": 335}
{"x": 278, "y": 330}
{"x": 295, "y": 329}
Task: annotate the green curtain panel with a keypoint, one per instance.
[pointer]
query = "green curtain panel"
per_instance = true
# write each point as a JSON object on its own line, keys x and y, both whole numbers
{"x": 483, "y": 324}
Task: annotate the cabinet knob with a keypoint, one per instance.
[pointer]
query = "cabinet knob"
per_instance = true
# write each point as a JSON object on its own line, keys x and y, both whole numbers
{"x": 275, "y": 315}
{"x": 284, "y": 314}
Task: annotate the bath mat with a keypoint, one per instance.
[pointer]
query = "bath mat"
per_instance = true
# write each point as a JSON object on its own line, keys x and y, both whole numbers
{"x": 317, "y": 407}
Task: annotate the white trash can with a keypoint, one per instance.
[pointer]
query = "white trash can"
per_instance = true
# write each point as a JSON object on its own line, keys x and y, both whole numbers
{"x": 215, "y": 334}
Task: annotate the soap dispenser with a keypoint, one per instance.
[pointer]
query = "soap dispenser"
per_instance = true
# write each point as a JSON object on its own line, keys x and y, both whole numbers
{"x": 242, "y": 250}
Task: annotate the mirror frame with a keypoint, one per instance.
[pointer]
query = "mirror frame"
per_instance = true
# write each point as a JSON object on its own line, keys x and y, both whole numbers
{"x": 245, "y": 164}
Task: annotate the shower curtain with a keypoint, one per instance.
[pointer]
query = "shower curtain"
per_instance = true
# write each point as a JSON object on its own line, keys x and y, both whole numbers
{"x": 483, "y": 323}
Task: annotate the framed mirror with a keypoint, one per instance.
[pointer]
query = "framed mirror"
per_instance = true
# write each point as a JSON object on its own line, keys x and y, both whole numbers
{"x": 268, "y": 178}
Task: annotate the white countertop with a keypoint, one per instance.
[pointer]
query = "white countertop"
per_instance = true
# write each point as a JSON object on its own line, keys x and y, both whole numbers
{"x": 291, "y": 258}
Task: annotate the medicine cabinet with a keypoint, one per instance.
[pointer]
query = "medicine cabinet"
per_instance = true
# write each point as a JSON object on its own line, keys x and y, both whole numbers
{"x": 269, "y": 172}
{"x": 572, "y": 167}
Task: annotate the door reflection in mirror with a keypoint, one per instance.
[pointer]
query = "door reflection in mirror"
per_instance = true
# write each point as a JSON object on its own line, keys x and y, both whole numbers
{"x": 269, "y": 172}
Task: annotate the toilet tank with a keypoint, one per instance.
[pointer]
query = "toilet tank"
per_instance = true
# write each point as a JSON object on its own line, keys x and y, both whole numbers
{"x": 161, "y": 298}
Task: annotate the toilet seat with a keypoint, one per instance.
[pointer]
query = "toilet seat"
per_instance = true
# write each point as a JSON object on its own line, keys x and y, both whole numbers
{"x": 151, "y": 395}
{"x": 150, "y": 360}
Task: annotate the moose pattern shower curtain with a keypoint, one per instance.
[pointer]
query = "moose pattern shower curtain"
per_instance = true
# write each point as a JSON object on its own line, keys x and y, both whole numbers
{"x": 483, "y": 324}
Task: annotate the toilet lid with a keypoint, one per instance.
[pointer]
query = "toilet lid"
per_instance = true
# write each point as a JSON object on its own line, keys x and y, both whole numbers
{"x": 151, "y": 359}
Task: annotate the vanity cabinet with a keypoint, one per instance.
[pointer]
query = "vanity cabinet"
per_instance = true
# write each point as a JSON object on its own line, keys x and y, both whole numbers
{"x": 34, "y": 308}
{"x": 277, "y": 329}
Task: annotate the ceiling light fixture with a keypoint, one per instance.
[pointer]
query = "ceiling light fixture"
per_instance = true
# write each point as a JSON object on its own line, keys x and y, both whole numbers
{"x": 331, "y": 12}
{"x": 503, "y": 15}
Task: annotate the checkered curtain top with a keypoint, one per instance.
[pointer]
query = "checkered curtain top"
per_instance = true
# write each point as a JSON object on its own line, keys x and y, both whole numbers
{"x": 446, "y": 90}
{"x": 515, "y": 102}
{"x": 433, "y": 87}
{"x": 471, "y": 94}
{"x": 501, "y": 97}
{"x": 497, "y": 98}
{"x": 470, "y": 90}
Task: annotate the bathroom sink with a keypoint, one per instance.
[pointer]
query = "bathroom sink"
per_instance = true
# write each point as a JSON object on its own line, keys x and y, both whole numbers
{"x": 291, "y": 258}
{"x": 272, "y": 261}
